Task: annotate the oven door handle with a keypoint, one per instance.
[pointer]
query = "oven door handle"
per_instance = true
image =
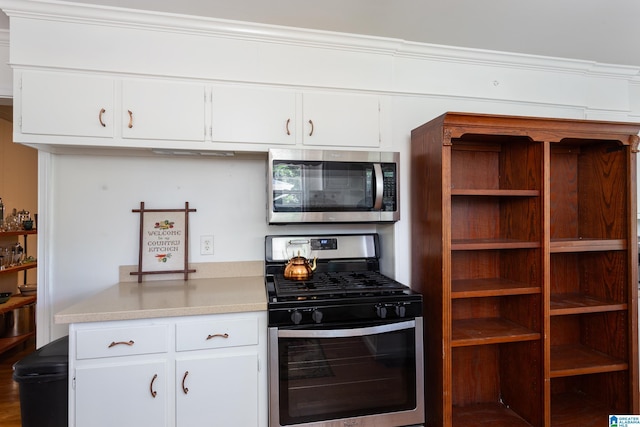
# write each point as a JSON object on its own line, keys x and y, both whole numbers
{"x": 377, "y": 169}
{"x": 343, "y": 333}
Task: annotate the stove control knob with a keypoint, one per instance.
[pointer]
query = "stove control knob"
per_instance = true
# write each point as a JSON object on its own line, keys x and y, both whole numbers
{"x": 296, "y": 317}
{"x": 317, "y": 316}
{"x": 381, "y": 311}
{"x": 401, "y": 310}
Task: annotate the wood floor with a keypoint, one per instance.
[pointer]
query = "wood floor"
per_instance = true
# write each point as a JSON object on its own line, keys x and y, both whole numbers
{"x": 9, "y": 391}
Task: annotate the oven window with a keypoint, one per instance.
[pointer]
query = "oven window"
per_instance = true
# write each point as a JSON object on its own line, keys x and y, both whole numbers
{"x": 329, "y": 378}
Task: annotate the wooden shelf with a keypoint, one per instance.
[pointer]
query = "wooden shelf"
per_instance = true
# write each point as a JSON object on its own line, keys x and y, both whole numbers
{"x": 17, "y": 301}
{"x": 523, "y": 230}
{"x": 9, "y": 343}
{"x": 13, "y": 303}
{"x": 587, "y": 245}
{"x": 486, "y": 244}
{"x": 576, "y": 409}
{"x": 563, "y": 304}
{"x": 478, "y": 288}
{"x": 489, "y": 331}
{"x": 576, "y": 359}
{"x": 17, "y": 233}
{"x": 21, "y": 267}
{"x": 486, "y": 414}
{"x": 494, "y": 192}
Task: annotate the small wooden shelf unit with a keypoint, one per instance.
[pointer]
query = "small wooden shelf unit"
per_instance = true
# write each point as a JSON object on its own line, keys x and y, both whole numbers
{"x": 24, "y": 266}
{"x": 524, "y": 245}
{"x": 13, "y": 303}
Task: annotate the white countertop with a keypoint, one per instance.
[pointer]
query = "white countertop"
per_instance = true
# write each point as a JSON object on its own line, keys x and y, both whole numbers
{"x": 169, "y": 298}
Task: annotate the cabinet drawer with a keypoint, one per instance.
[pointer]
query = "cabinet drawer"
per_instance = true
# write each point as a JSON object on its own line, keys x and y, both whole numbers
{"x": 111, "y": 342}
{"x": 216, "y": 334}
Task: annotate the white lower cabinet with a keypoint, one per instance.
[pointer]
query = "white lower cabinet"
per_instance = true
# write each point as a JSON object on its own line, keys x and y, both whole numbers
{"x": 223, "y": 390}
{"x": 128, "y": 394}
{"x": 169, "y": 372}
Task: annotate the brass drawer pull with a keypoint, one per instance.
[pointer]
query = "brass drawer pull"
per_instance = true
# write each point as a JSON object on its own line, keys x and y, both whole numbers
{"x": 218, "y": 335}
{"x": 102, "y": 111}
{"x": 185, "y": 390}
{"x": 129, "y": 343}
{"x": 130, "y": 125}
{"x": 153, "y": 392}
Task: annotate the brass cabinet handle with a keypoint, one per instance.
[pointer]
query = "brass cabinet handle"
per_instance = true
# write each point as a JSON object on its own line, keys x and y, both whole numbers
{"x": 130, "y": 125}
{"x": 218, "y": 335}
{"x": 102, "y": 111}
{"x": 288, "y": 121}
{"x": 113, "y": 343}
{"x": 153, "y": 392}
{"x": 311, "y": 123}
{"x": 185, "y": 390}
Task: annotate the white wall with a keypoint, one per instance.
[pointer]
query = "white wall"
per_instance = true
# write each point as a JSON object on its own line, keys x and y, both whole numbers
{"x": 93, "y": 231}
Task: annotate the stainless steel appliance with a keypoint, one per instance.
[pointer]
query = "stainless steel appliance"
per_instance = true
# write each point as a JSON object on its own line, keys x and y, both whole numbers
{"x": 345, "y": 345}
{"x": 316, "y": 186}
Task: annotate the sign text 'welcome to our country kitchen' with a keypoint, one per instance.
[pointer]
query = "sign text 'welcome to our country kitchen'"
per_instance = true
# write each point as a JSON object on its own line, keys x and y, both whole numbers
{"x": 164, "y": 235}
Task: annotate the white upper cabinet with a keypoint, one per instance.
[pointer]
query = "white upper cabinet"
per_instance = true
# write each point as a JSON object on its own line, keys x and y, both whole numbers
{"x": 162, "y": 110}
{"x": 256, "y": 115}
{"x": 345, "y": 120}
{"x": 274, "y": 116}
{"x": 90, "y": 109}
{"x": 66, "y": 104}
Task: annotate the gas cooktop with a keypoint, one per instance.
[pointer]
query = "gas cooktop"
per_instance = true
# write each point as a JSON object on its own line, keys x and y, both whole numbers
{"x": 333, "y": 284}
{"x": 345, "y": 286}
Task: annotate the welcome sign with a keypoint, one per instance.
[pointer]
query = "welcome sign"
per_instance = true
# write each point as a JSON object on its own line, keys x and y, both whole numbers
{"x": 164, "y": 238}
{"x": 163, "y": 241}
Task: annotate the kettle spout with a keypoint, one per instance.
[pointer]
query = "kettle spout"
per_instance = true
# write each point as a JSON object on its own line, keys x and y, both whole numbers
{"x": 313, "y": 266}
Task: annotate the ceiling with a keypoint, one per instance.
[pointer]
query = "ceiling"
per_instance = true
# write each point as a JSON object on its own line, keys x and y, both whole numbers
{"x": 603, "y": 31}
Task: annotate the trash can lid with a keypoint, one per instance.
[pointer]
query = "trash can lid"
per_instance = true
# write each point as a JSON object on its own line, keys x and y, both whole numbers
{"x": 49, "y": 360}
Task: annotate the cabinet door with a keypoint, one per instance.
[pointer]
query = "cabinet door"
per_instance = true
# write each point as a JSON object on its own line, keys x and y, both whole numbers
{"x": 341, "y": 120}
{"x": 263, "y": 116}
{"x": 66, "y": 104}
{"x": 163, "y": 110}
{"x": 221, "y": 389}
{"x": 123, "y": 395}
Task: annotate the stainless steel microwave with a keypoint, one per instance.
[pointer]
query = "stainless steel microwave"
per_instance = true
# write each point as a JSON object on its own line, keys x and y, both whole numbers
{"x": 318, "y": 186}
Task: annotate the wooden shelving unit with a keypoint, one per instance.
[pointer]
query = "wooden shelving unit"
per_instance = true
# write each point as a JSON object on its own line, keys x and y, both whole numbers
{"x": 524, "y": 246}
{"x": 24, "y": 266}
{"x": 13, "y": 303}
{"x": 19, "y": 300}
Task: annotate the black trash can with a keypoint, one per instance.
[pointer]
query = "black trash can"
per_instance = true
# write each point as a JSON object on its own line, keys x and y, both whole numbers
{"x": 43, "y": 380}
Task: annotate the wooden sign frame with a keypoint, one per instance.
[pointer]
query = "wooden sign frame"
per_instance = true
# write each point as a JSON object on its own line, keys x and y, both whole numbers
{"x": 164, "y": 241}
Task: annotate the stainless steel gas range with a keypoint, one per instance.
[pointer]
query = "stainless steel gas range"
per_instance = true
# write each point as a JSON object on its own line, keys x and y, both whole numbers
{"x": 345, "y": 343}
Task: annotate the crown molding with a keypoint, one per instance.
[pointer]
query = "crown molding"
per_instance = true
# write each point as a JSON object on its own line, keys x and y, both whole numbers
{"x": 83, "y": 13}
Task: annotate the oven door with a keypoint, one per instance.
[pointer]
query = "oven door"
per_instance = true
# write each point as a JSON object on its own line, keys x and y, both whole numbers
{"x": 365, "y": 376}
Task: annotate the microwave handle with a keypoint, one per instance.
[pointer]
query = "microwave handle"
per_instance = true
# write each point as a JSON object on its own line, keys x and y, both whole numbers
{"x": 377, "y": 169}
{"x": 345, "y": 333}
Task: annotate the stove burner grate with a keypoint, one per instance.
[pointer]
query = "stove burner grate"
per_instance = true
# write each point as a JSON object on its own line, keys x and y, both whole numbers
{"x": 333, "y": 283}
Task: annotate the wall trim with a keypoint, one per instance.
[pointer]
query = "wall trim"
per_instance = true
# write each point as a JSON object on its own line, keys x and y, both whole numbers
{"x": 99, "y": 15}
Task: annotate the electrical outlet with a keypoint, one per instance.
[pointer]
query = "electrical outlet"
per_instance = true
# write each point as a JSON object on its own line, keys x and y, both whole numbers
{"x": 206, "y": 245}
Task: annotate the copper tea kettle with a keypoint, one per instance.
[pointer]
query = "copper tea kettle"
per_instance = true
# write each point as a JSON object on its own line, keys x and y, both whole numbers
{"x": 299, "y": 267}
